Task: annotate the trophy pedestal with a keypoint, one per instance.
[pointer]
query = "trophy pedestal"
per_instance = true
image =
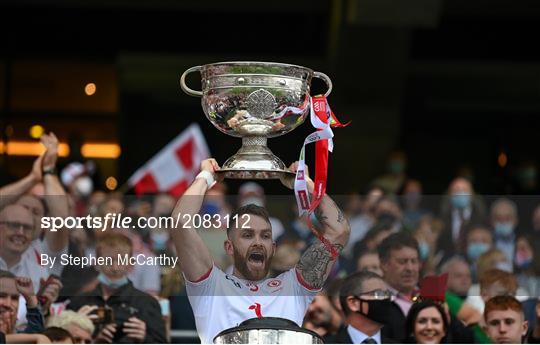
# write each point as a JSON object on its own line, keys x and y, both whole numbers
{"x": 254, "y": 160}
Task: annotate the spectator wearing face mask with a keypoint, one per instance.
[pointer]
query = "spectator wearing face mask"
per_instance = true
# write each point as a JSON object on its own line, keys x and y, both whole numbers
{"x": 366, "y": 302}
{"x": 76, "y": 177}
{"x": 427, "y": 234}
{"x": 137, "y": 315}
{"x": 460, "y": 209}
{"x": 479, "y": 240}
{"x": 504, "y": 220}
{"x": 427, "y": 323}
{"x": 387, "y": 211}
{"x": 504, "y": 320}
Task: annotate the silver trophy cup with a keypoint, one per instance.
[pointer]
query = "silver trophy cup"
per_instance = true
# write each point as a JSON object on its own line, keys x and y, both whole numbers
{"x": 254, "y": 101}
{"x": 267, "y": 330}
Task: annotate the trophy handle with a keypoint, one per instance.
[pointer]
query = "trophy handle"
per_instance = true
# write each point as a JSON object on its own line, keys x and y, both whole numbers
{"x": 183, "y": 85}
{"x": 326, "y": 79}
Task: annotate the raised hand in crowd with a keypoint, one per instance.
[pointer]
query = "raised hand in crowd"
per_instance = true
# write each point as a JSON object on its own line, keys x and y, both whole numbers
{"x": 50, "y": 141}
{"x": 51, "y": 291}
{"x": 88, "y": 310}
{"x": 11, "y": 192}
{"x": 6, "y": 320}
{"x": 26, "y": 289}
{"x": 37, "y": 167}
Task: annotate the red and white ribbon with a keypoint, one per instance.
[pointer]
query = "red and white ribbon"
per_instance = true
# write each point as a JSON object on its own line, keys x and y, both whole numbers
{"x": 323, "y": 139}
{"x": 323, "y": 119}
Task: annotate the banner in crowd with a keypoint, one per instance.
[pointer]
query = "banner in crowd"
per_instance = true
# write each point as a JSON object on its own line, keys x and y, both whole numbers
{"x": 174, "y": 167}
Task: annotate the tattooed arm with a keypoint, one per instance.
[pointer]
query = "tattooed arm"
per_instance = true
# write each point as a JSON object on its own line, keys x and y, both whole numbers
{"x": 316, "y": 262}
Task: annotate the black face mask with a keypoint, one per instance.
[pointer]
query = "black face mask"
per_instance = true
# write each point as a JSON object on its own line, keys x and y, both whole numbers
{"x": 378, "y": 310}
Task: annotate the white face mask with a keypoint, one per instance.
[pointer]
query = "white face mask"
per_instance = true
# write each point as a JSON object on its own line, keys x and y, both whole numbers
{"x": 159, "y": 239}
{"x": 84, "y": 186}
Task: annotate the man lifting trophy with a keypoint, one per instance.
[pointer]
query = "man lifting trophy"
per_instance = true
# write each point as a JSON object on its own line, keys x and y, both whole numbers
{"x": 256, "y": 101}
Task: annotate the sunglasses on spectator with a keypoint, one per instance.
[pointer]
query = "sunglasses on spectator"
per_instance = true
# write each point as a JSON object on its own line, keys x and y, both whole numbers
{"x": 14, "y": 226}
{"x": 377, "y": 294}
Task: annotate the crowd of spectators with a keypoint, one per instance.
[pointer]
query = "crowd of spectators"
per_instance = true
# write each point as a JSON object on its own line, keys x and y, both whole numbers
{"x": 487, "y": 253}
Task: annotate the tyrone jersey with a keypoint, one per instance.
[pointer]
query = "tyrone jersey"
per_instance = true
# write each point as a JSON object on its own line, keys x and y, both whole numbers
{"x": 221, "y": 301}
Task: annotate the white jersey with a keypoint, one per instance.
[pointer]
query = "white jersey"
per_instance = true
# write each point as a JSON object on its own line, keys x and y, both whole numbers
{"x": 221, "y": 301}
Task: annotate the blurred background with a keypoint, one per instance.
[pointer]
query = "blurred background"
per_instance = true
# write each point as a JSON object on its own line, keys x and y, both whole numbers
{"x": 453, "y": 86}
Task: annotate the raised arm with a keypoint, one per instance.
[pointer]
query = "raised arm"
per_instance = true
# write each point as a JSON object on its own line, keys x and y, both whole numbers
{"x": 317, "y": 261}
{"x": 13, "y": 191}
{"x": 55, "y": 195}
{"x": 194, "y": 256}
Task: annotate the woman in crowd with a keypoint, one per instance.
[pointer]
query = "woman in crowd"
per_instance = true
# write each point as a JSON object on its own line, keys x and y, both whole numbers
{"x": 426, "y": 323}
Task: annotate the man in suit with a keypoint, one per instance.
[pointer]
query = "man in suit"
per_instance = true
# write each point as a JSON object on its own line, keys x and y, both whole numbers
{"x": 461, "y": 209}
{"x": 366, "y": 302}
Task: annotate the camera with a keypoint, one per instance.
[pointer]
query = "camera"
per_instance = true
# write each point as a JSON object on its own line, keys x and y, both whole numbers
{"x": 105, "y": 315}
{"x": 122, "y": 313}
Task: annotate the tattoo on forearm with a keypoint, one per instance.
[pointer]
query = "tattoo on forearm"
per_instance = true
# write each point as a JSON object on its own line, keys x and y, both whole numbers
{"x": 313, "y": 264}
{"x": 340, "y": 216}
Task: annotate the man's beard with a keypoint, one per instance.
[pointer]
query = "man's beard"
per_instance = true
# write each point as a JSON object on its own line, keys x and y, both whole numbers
{"x": 241, "y": 264}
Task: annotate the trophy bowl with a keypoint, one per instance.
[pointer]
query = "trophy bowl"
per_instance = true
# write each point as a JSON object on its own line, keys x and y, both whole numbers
{"x": 254, "y": 101}
{"x": 267, "y": 330}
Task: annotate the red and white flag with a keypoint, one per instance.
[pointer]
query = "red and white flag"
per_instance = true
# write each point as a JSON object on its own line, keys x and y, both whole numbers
{"x": 174, "y": 167}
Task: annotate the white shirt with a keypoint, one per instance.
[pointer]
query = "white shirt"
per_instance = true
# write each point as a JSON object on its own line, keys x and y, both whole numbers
{"x": 221, "y": 301}
{"x": 29, "y": 266}
{"x": 358, "y": 337}
{"x": 39, "y": 246}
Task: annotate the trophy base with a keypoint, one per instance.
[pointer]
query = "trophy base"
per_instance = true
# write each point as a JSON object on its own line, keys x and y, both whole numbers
{"x": 254, "y": 161}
